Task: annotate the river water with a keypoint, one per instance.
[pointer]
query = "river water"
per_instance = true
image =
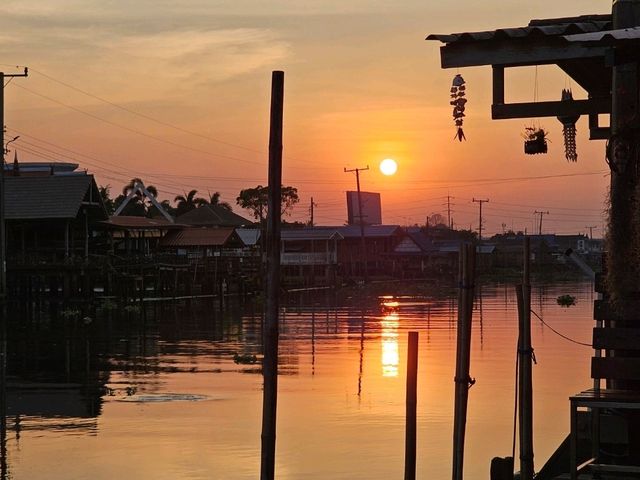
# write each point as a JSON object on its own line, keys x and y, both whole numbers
{"x": 162, "y": 398}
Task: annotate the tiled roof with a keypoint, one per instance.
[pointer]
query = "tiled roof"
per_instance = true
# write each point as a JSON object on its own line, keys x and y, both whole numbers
{"x": 199, "y": 237}
{"x": 213, "y": 215}
{"x": 51, "y": 196}
{"x": 536, "y": 28}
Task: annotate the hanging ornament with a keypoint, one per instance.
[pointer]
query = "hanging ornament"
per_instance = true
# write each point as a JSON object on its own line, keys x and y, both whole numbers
{"x": 458, "y": 101}
{"x": 535, "y": 140}
{"x": 569, "y": 129}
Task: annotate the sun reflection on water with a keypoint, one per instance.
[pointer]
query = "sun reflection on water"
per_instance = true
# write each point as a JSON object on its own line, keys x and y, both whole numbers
{"x": 389, "y": 338}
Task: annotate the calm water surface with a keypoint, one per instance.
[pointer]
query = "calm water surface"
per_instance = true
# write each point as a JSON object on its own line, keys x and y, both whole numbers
{"x": 163, "y": 398}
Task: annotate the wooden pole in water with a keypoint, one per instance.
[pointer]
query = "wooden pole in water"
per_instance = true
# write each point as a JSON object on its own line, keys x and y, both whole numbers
{"x": 463, "y": 355}
{"x": 412, "y": 400}
{"x": 270, "y": 334}
{"x": 525, "y": 353}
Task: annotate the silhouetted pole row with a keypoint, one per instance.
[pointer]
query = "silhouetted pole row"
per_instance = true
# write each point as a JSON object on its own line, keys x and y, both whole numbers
{"x": 270, "y": 335}
{"x": 412, "y": 402}
{"x": 462, "y": 379}
{"x": 525, "y": 357}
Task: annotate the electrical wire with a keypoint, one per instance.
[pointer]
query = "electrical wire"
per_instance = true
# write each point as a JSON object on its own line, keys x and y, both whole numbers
{"x": 560, "y": 334}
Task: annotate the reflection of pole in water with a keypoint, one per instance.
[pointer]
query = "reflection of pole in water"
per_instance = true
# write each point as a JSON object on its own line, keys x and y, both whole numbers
{"x": 361, "y": 353}
{"x": 4, "y": 464}
{"x": 479, "y": 293}
{"x": 313, "y": 340}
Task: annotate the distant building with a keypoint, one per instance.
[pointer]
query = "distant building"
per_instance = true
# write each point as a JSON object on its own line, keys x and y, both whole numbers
{"x": 213, "y": 216}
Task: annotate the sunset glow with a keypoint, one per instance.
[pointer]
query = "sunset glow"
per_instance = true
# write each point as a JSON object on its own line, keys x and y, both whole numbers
{"x": 388, "y": 166}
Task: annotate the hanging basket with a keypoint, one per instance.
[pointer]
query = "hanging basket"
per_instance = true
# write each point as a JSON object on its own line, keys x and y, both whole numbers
{"x": 535, "y": 141}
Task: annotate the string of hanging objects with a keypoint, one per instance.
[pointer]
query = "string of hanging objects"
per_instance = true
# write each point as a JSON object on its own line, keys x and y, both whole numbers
{"x": 458, "y": 101}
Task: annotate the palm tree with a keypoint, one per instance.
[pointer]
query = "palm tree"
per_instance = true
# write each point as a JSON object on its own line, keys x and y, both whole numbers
{"x": 188, "y": 202}
{"x": 214, "y": 199}
{"x": 138, "y": 204}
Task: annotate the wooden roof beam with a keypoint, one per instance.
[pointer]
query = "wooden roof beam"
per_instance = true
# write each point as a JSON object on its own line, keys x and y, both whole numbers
{"x": 551, "y": 109}
{"x": 510, "y": 53}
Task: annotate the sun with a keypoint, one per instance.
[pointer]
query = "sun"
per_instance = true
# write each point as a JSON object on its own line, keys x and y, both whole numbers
{"x": 388, "y": 166}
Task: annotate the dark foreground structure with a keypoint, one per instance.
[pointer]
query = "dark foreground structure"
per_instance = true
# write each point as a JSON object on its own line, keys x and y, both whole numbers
{"x": 601, "y": 53}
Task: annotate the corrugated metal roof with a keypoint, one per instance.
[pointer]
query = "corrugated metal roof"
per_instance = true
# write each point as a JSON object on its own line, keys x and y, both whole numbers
{"x": 536, "y": 28}
{"x": 213, "y": 215}
{"x": 310, "y": 234}
{"x": 606, "y": 36}
{"x": 52, "y": 196}
{"x": 249, "y": 236}
{"x": 351, "y": 231}
{"x": 199, "y": 237}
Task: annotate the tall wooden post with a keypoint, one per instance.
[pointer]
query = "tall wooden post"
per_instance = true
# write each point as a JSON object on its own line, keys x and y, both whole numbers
{"x": 271, "y": 332}
{"x": 525, "y": 355}
{"x": 624, "y": 232}
{"x": 412, "y": 401}
{"x": 463, "y": 354}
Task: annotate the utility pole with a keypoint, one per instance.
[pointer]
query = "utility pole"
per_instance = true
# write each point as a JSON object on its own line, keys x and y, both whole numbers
{"x": 361, "y": 216}
{"x": 591, "y": 227}
{"x": 272, "y": 306}
{"x": 313, "y": 204}
{"x": 3, "y": 235}
{"x": 449, "y": 224}
{"x": 540, "y": 224}
{"x": 480, "y": 219}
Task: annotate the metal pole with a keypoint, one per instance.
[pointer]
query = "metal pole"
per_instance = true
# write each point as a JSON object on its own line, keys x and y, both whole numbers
{"x": 412, "y": 401}
{"x": 271, "y": 331}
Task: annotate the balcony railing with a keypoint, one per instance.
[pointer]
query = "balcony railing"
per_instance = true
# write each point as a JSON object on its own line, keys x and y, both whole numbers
{"x": 320, "y": 258}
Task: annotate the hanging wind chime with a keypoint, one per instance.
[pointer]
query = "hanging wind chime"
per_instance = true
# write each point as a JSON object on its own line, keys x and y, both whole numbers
{"x": 569, "y": 129}
{"x": 458, "y": 101}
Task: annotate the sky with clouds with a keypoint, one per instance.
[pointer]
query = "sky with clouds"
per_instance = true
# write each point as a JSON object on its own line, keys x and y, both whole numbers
{"x": 177, "y": 92}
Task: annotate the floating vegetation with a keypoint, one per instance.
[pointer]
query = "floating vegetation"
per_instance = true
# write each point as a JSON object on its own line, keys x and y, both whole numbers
{"x": 566, "y": 300}
{"x": 165, "y": 397}
{"x": 244, "y": 359}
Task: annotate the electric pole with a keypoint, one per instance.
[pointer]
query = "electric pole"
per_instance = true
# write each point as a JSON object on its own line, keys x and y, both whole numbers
{"x": 540, "y": 224}
{"x": 3, "y": 235}
{"x": 480, "y": 218}
{"x": 591, "y": 227}
{"x": 313, "y": 204}
{"x": 449, "y": 224}
{"x": 361, "y": 216}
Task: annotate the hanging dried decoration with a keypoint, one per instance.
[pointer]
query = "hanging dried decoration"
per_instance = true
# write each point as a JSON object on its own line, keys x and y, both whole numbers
{"x": 535, "y": 140}
{"x": 569, "y": 129}
{"x": 458, "y": 102}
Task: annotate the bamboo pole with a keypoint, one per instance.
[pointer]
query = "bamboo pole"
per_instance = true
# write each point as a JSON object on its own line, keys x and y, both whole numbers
{"x": 270, "y": 335}
{"x": 525, "y": 353}
{"x": 411, "y": 401}
{"x": 463, "y": 353}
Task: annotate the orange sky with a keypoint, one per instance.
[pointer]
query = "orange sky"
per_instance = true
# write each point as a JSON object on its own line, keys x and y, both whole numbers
{"x": 361, "y": 85}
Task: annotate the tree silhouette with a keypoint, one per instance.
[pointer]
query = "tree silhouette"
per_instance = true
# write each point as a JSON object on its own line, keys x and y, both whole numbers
{"x": 255, "y": 200}
{"x": 214, "y": 199}
{"x": 188, "y": 201}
